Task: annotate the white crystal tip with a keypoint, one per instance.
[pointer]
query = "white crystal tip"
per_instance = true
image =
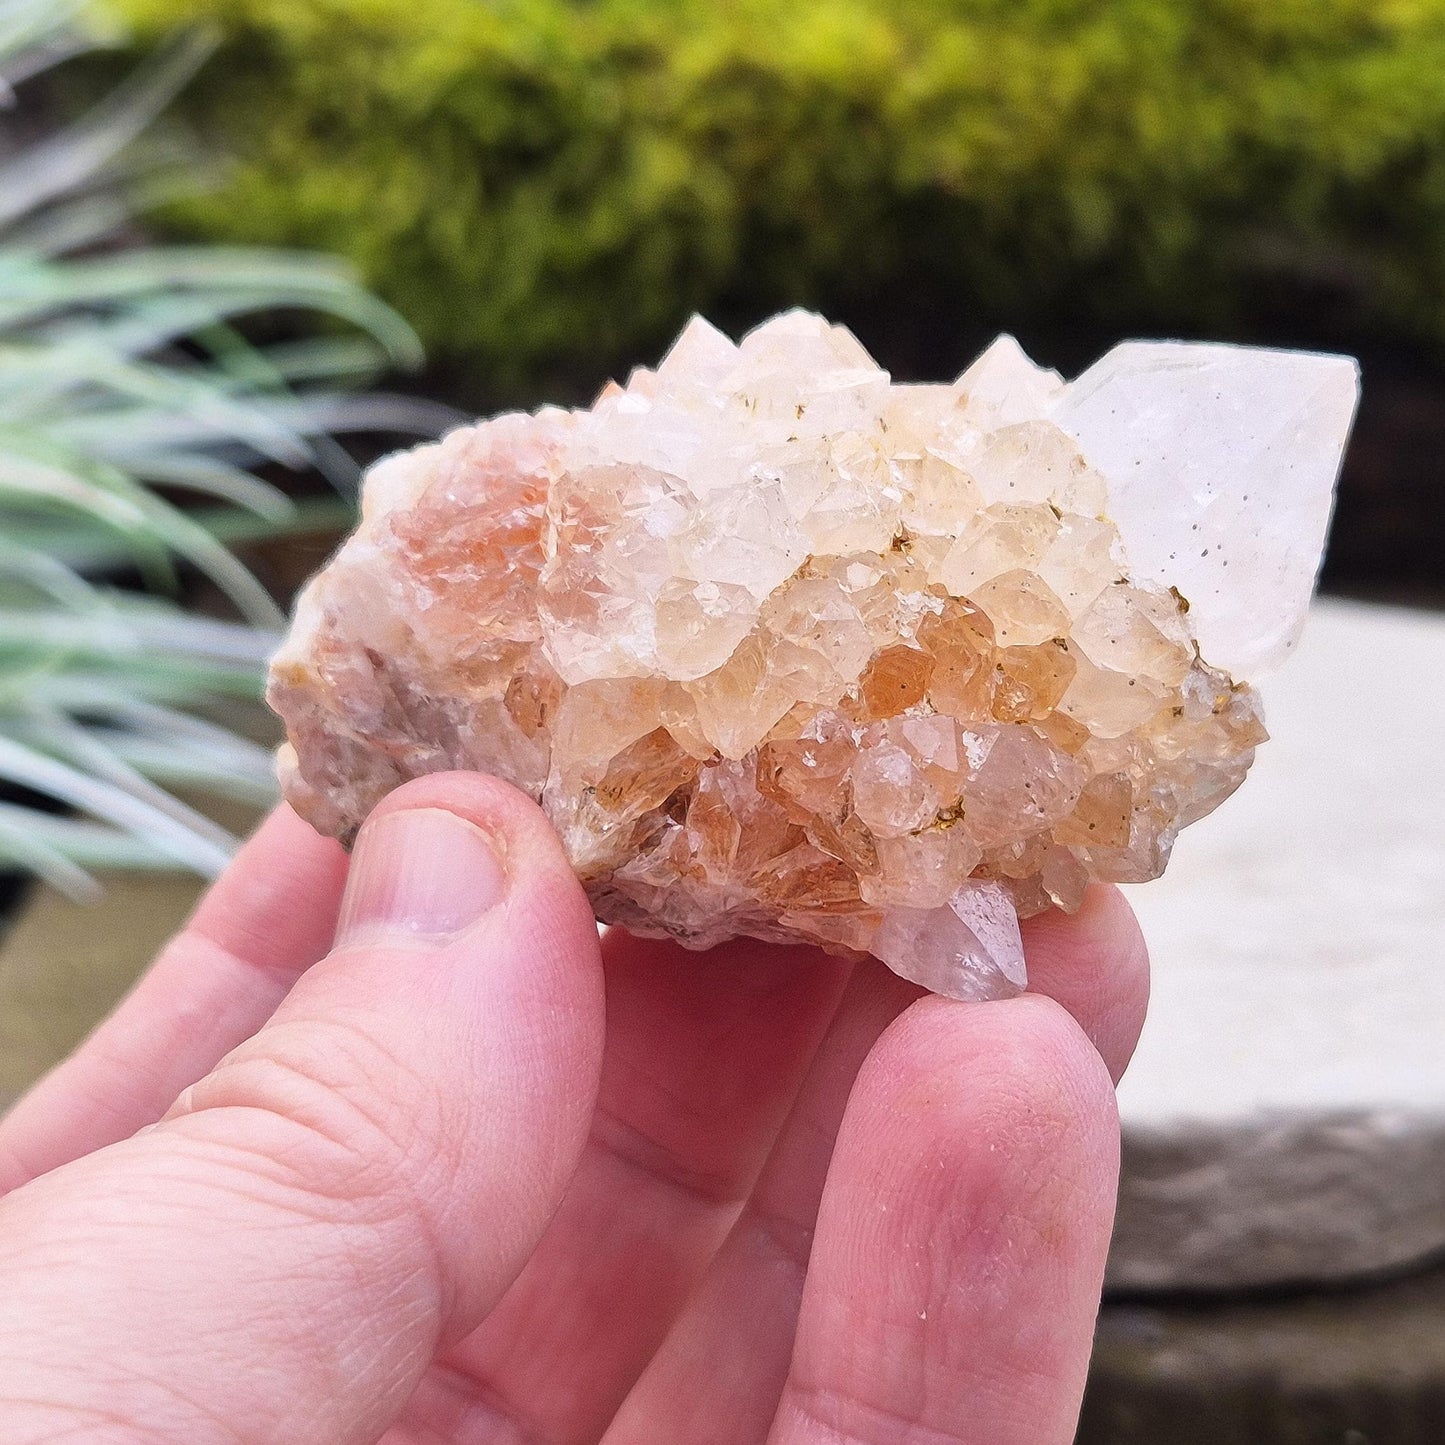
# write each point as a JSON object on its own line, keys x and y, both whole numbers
{"x": 1222, "y": 463}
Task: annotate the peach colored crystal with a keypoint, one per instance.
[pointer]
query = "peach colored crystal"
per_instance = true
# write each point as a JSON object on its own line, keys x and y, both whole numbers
{"x": 788, "y": 651}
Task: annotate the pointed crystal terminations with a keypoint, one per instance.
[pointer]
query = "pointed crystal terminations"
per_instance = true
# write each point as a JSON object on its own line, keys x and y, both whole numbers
{"x": 785, "y": 650}
{"x": 1243, "y": 447}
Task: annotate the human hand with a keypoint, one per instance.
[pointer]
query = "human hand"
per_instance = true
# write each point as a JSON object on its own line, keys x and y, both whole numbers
{"x": 412, "y": 1188}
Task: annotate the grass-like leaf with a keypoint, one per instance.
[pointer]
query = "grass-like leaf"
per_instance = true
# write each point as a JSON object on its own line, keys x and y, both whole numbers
{"x": 126, "y": 382}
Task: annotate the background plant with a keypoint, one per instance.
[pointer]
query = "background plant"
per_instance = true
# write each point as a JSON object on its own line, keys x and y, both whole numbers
{"x": 126, "y": 390}
{"x": 547, "y": 187}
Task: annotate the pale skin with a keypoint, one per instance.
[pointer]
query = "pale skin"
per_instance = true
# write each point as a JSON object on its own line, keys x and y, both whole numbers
{"x": 456, "y": 1172}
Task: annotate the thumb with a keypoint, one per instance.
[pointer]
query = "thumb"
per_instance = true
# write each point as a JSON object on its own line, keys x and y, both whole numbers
{"x": 282, "y": 1256}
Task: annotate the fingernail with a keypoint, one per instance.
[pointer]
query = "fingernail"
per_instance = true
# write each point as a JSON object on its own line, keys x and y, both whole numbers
{"x": 423, "y": 873}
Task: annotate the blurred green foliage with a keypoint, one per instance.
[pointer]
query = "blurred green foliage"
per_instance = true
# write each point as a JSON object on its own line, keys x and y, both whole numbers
{"x": 538, "y": 183}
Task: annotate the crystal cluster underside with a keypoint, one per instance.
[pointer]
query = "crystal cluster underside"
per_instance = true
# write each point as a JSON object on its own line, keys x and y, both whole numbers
{"x": 786, "y": 650}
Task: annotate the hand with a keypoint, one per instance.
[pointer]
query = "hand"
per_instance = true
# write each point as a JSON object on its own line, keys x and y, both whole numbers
{"x": 406, "y": 1185}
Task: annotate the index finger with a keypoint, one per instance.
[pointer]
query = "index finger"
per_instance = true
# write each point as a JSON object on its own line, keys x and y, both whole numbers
{"x": 726, "y": 1357}
{"x": 1096, "y": 964}
{"x": 959, "y": 1257}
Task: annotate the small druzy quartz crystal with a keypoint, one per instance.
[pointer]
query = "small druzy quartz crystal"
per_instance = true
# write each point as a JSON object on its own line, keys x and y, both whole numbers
{"x": 785, "y": 650}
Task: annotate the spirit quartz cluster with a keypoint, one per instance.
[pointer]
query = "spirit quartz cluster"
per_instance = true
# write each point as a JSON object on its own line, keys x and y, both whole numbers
{"x": 785, "y": 650}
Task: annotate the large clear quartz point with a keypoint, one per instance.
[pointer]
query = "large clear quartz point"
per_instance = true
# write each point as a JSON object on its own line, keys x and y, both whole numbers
{"x": 1221, "y": 463}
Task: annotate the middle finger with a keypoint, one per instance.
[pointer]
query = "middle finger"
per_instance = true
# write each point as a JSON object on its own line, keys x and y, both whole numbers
{"x": 705, "y": 1054}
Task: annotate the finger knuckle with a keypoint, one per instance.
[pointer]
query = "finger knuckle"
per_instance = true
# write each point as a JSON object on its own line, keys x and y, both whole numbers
{"x": 330, "y": 1110}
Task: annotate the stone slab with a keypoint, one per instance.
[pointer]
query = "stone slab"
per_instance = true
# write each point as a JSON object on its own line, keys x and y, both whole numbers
{"x": 1284, "y": 1118}
{"x": 1337, "y": 1367}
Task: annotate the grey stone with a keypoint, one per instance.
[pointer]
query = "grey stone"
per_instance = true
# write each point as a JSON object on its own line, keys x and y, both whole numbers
{"x": 1338, "y": 1367}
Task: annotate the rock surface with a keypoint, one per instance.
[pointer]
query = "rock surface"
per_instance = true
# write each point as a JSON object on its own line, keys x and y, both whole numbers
{"x": 1358, "y": 1366}
{"x": 1284, "y": 1118}
{"x": 787, "y": 651}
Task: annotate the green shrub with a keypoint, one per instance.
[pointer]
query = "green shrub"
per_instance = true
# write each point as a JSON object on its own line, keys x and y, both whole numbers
{"x": 549, "y": 183}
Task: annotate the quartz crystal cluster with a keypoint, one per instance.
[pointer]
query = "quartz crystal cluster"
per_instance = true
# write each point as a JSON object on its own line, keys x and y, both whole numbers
{"x": 786, "y": 650}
